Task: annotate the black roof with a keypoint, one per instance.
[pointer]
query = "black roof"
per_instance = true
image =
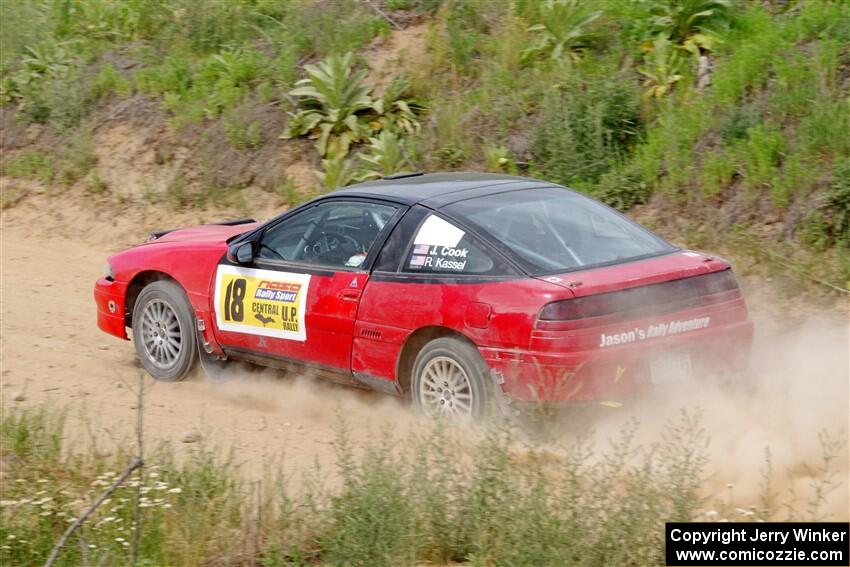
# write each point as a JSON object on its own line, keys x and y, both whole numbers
{"x": 436, "y": 190}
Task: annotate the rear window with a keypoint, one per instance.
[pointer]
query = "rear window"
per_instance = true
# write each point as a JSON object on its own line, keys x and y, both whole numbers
{"x": 552, "y": 230}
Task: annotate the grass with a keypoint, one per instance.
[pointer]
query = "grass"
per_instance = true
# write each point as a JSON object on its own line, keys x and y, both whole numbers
{"x": 62, "y": 166}
{"x": 439, "y": 497}
{"x": 762, "y": 143}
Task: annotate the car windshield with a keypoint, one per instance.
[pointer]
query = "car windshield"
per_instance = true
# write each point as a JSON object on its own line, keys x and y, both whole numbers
{"x": 552, "y": 229}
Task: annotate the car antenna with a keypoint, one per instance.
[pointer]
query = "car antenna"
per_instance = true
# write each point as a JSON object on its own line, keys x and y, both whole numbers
{"x": 404, "y": 175}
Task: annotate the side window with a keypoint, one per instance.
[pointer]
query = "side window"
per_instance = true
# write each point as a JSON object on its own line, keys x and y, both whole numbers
{"x": 439, "y": 247}
{"x": 334, "y": 234}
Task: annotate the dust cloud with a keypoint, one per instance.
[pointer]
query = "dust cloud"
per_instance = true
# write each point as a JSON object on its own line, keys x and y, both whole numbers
{"x": 794, "y": 393}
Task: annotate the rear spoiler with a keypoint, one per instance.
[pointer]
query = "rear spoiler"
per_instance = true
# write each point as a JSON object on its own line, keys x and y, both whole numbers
{"x": 160, "y": 233}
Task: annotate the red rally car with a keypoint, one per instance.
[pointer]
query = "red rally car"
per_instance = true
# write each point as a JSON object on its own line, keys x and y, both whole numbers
{"x": 454, "y": 289}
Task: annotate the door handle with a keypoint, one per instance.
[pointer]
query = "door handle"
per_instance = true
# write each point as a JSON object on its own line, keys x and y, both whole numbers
{"x": 349, "y": 295}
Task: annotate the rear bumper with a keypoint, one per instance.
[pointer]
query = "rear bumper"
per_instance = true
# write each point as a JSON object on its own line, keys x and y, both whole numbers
{"x": 613, "y": 372}
{"x": 109, "y": 298}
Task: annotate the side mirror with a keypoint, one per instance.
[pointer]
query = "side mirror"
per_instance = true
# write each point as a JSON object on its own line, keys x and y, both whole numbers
{"x": 242, "y": 253}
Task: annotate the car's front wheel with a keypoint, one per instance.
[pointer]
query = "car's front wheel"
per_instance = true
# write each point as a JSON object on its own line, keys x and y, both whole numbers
{"x": 163, "y": 333}
{"x": 450, "y": 380}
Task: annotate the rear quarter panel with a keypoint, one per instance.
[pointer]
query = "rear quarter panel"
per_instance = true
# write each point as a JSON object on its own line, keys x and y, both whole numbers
{"x": 494, "y": 314}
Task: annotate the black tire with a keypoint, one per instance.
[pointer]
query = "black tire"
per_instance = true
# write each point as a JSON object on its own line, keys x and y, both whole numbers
{"x": 156, "y": 352}
{"x": 435, "y": 397}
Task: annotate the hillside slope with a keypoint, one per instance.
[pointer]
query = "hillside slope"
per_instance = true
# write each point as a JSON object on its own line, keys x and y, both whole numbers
{"x": 724, "y": 127}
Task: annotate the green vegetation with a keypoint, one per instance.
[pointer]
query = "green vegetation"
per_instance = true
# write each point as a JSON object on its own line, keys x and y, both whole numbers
{"x": 339, "y": 110}
{"x": 334, "y": 94}
{"x": 437, "y": 498}
{"x": 730, "y": 114}
{"x": 562, "y": 31}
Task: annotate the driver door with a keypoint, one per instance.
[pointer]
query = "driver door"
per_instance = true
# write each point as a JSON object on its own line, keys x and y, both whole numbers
{"x": 299, "y": 299}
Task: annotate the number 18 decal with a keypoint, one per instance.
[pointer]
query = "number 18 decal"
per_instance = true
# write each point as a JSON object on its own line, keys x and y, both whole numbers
{"x": 261, "y": 302}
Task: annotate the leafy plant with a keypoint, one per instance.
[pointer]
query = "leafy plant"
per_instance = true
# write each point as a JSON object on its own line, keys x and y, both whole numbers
{"x": 225, "y": 77}
{"x": 333, "y": 93}
{"x": 499, "y": 159}
{"x": 662, "y": 68}
{"x": 39, "y": 63}
{"x": 337, "y": 171}
{"x": 396, "y": 110}
{"x": 450, "y": 155}
{"x": 692, "y": 25}
{"x": 562, "y": 30}
{"x": 385, "y": 156}
{"x": 340, "y": 110}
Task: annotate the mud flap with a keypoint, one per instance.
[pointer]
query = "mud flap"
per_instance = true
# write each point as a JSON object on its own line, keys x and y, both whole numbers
{"x": 214, "y": 365}
{"x": 502, "y": 403}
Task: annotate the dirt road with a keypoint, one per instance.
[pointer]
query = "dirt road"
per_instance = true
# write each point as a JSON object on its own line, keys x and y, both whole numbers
{"x": 54, "y": 354}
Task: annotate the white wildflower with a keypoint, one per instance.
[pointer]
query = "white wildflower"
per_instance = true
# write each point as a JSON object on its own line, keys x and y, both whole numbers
{"x": 175, "y": 490}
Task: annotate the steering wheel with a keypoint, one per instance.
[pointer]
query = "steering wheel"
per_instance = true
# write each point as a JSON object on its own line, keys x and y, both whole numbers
{"x": 332, "y": 242}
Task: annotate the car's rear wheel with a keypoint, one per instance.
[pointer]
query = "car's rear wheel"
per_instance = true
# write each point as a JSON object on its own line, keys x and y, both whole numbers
{"x": 450, "y": 381}
{"x": 163, "y": 333}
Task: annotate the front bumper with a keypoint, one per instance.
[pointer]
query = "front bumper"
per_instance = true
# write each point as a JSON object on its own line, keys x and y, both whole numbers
{"x": 109, "y": 298}
{"x": 614, "y": 372}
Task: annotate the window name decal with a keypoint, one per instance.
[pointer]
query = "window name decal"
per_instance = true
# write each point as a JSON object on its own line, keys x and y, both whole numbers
{"x": 444, "y": 258}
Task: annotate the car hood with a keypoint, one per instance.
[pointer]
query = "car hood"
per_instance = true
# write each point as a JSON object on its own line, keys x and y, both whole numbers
{"x": 673, "y": 266}
{"x": 212, "y": 233}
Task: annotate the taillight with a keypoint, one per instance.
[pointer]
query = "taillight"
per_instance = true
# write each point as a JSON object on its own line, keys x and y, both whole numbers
{"x": 656, "y": 298}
